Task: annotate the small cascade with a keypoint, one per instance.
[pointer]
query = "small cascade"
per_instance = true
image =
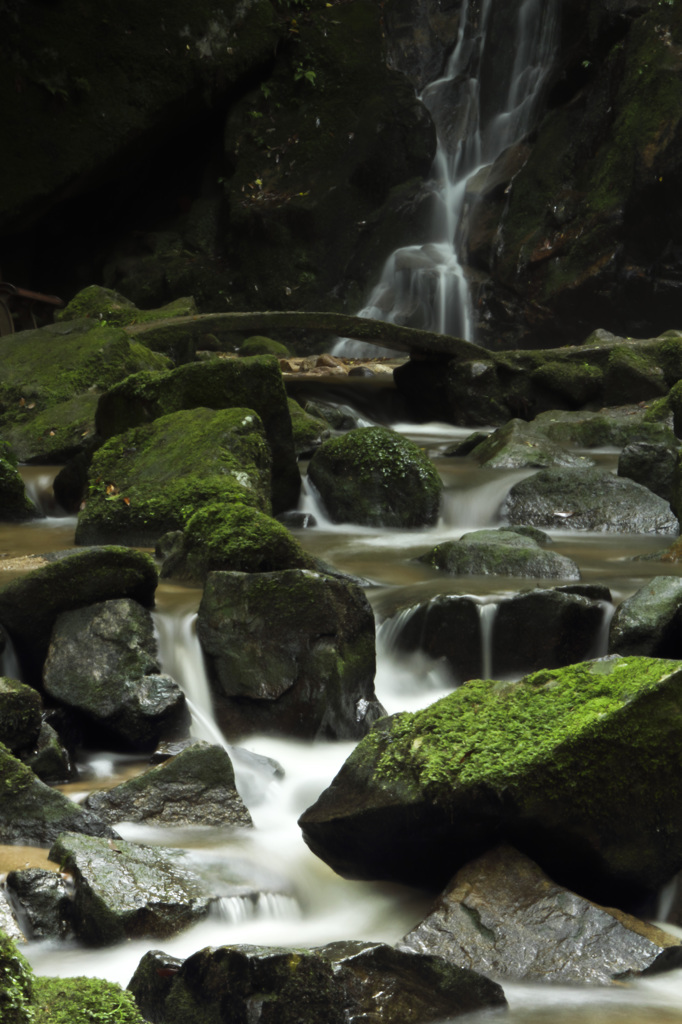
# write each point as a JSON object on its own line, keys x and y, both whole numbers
{"x": 601, "y": 641}
{"x": 9, "y": 663}
{"x": 39, "y": 488}
{"x": 262, "y": 905}
{"x": 483, "y": 104}
{"x": 477, "y": 507}
{"x": 487, "y": 613}
{"x": 182, "y": 658}
{"x": 404, "y": 679}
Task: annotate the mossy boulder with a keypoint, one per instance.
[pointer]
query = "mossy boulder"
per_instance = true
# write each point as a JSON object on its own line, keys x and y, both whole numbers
{"x": 258, "y": 345}
{"x": 82, "y": 1001}
{"x": 103, "y": 661}
{"x": 98, "y": 303}
{"x": 342, "y": 981}
{"x": 587, "y": 499}
{"x": 30, "y": 605}
{"x": 15, "y": 504}
{"x": 375, "y": 477}
{"x": 290, "y": 653}
{"x": 560, "y": 764}
{"x": 153, "y": 478}
{"x": 519, "y": 444}
{"x": 614, "y": 427}
{"x": 499, "y": 553}
{"x": 309, "y": 431}
{"x": 196, "y": 787}
{"x": 33, "y": 814}
{"x": 16, "y": 984}
{"x": 20, "y": 714}
{"x": 229, "y": 538}
{"x": 253, "y": 383}
{"x": 50, "y": 380}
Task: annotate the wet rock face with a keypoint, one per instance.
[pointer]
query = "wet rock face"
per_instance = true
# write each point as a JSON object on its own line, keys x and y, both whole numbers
{"x": 289, "y": 652}
{"x": 374, "y": 477}
{"x": 336, "y": 983}
{"x": 103, "y": 661}
{"x": 425, "y": 793}
{"x": 588, "y": 499}
{"x": 194, "y": 788}
{"x": 503, "y": 916}
{"x": 20, "y": 714}
{"x": 648, "y": 623}
{"x": 500, "y": 553}
{"x": 44, "y": 899}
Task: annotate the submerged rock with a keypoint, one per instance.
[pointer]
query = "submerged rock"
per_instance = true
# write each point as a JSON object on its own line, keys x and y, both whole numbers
{"x": 336, "y": 983}
{"x": 290, "y": 653}
{"x": 499, "y": 553}
{"x": 503, "y": 916}
{"x": 375, "y": 477}
{"x": 196, "y": 787}
{"x": 124, "y": 890}
{"x": 560, "y": 764}
{"x": 588, "y": 499}
{"x": 103, "y": 661}
{"x": 152, "y": 478}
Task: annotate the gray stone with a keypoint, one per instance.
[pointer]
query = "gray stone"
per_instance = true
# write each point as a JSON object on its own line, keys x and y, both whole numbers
{"x": 650, "y": 622}
{"x": 499, "y": 553}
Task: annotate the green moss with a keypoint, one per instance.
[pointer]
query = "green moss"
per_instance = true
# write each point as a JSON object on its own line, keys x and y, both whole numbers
{"x": 16, "y": 984}
{"x": 577, "y": 383}
{"x": 309, "y": 431}
{"x": 83, "y": 1001}
{"x": 15, "y": 505}
{"x": 260, "y": 346}
{"x": 103, "y": 304}
{"x": 494, "y": 731}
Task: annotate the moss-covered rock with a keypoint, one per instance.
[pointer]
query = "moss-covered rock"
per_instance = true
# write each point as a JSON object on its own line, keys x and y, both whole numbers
{"x": 648, "y": 622}
{"x": 499, "y": 553}
{"x": 227, "y": 538}
{"x": 561, "y": 764}
{"x": 15, "y": 504}
{"x": 16, "y": 984}
{"x": 290, "y": 653}
{"x": 258, "y": 345}
{"x": 20, "y": 714}
{"x": 97, "y": 303}
{"x": 82, "y": 1001}
{"x": 153, "y": 478}
{"x": 519, "y": 444}
{"x": 375, "y": 477}
{"x": 33, "y": 814}
{"x": 253, "y": 383}
{"x": 309, "y": 431}
{"x": 614, "y": 427}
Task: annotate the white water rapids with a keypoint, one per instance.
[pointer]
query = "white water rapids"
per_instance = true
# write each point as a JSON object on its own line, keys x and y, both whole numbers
{"x": 304, "y": 903}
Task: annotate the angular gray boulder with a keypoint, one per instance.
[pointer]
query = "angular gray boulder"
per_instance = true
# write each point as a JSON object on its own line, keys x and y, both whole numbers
{"x": 103, "y": 661}
{"x": 560, "y": 764}
{"x": 503, "y": 916}
{"x": 650, "y": 621}
{"x": 196, "y": 787}
{"x": 588, "y": 499}
{"x": 290, "y": 653}
{"x": 341, "y": 982}
{"x": 375, "y": 477}
{"x": 500, "y": 553}
{"x": 519, "y": 444}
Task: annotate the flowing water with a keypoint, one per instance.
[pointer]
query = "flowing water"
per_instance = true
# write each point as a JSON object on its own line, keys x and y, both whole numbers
{"x": 302, "y": 901}
{"x": 486, "y": 101}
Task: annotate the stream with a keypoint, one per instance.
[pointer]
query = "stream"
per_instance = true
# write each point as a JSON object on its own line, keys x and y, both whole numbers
{"x": 302, "y": 902}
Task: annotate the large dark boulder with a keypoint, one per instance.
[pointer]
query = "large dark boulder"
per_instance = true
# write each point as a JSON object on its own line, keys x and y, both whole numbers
{"x": 196, "y": 787}
{"x": 30, "y": 605}
{"x": 336, "y": 983}
{"x": 503, "y": 916}
{"x": 153, "y": 478}
{"x": 560, "y": 764}
{"x": 375, "y": 477}
{"x": 588, "y": 499}
{"x": 650, "y": 464}
{"x": 33, "y": 814}
{"x": 499, "y": 553}
{"x": 290, "y": 653}
{"x": 448, "y": 626}
{"x": 103, "y": 661}
{"x": 253, "y": 383}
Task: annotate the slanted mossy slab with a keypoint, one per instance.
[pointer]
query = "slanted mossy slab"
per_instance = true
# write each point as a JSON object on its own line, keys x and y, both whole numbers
{"x": 579, "y": 767}
{"x": 252, "y": 383}
{"x": 153, "y": 478}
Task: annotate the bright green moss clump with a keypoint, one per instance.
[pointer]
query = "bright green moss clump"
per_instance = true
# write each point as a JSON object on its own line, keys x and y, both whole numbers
{"x": 16, "y": 984}
{"x": 494, "y": 731}
{"x": 83, "y": 1001}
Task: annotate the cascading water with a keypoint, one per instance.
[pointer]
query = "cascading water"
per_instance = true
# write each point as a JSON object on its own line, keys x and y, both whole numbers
{"x": 484, "y": 103}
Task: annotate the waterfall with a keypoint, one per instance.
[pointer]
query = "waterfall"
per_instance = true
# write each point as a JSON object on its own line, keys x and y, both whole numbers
{"x": 486, "y": 101}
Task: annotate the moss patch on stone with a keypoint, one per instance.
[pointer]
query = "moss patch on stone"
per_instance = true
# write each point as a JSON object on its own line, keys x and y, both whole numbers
{"x": 16, "y": 984}
{"x": 82, "y": 1001}
{"x": 103, "y": 304}
{"x": 261, "y": 346}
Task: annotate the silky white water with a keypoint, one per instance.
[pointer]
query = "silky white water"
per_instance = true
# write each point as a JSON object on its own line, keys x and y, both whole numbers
{"x": 482, "y": 105}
